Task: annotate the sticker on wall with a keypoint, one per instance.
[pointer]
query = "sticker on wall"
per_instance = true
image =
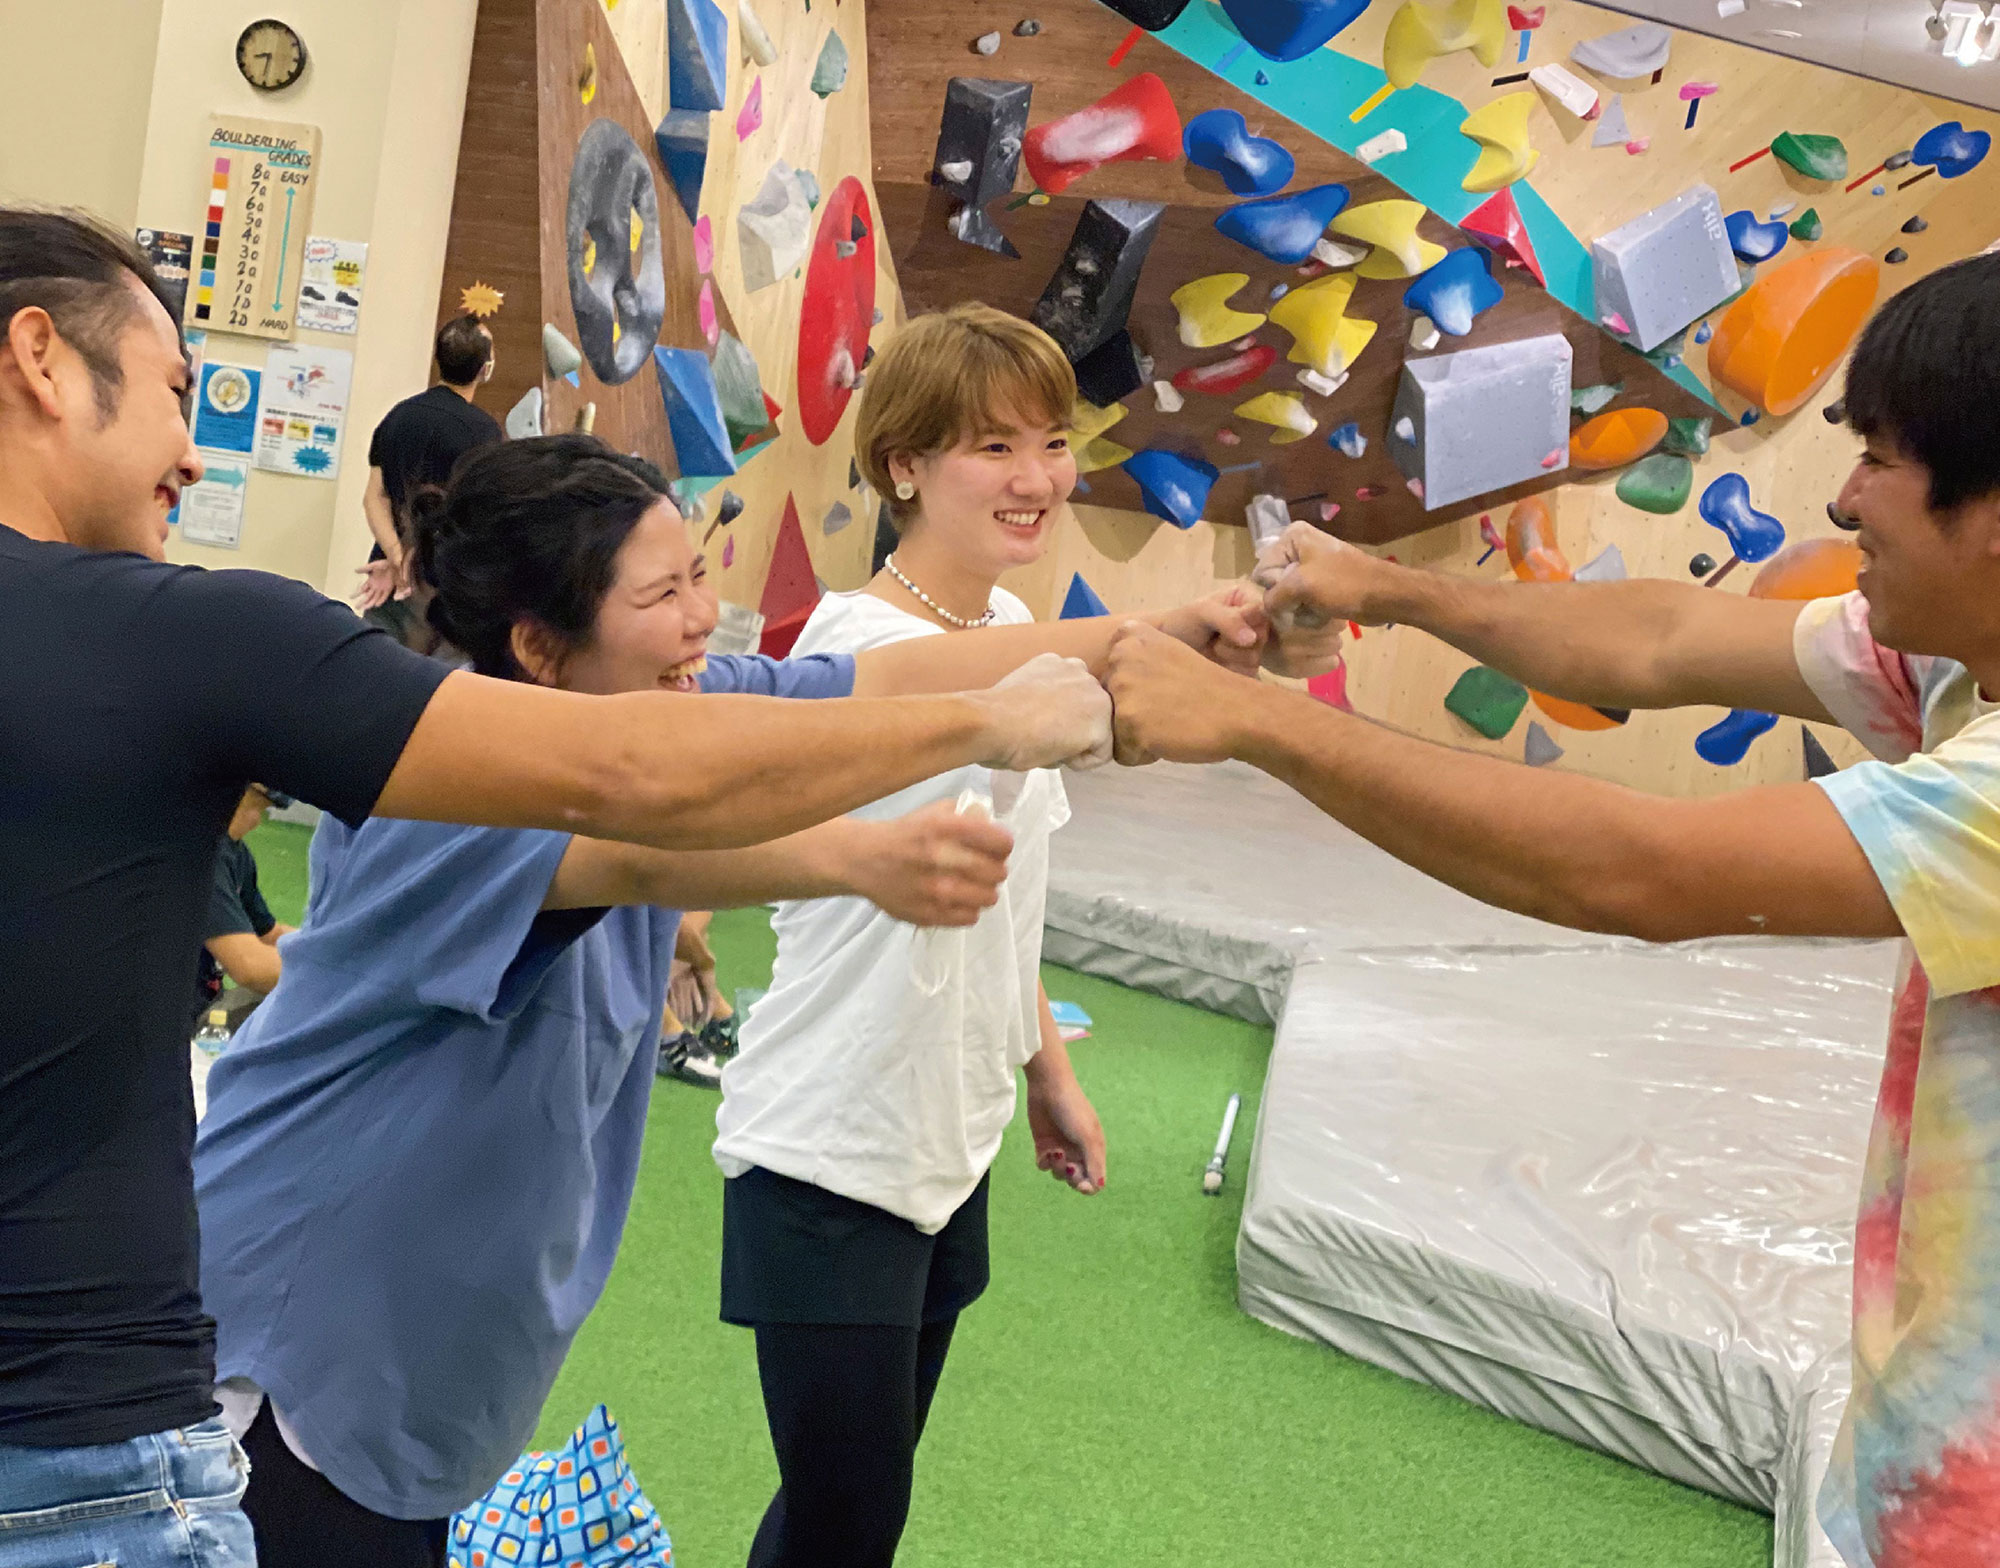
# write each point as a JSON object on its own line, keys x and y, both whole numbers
{"x": 225, "y": 408}
{"x": 212, "y": 512}
{"x": 330, "y": 284}
{"x": 303, "y": 408}
{"x": 172, "y": 256}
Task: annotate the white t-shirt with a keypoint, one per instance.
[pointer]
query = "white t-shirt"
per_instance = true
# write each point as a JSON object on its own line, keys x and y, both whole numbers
{"x": 881, "y": 1063}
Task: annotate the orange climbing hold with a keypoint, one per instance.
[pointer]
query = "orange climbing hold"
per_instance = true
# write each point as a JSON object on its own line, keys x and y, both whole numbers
{"x": 1574, "y": 715}
{"x": 1531, "y": 543}
{"x": 1785, "y": 334}
{"x": 1809, "y": 569}
{"x": 1611, "y": 440}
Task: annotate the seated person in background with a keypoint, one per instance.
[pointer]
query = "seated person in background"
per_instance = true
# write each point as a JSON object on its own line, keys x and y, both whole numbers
{"x": 698, "y": 1032}
{"x": 239, "y": 937}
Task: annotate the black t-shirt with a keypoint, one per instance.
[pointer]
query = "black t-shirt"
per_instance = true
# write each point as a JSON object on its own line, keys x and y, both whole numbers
{"x": 137, "y": 701}
{"x": 235, "y": 907}
{"x": 419, "y": 440}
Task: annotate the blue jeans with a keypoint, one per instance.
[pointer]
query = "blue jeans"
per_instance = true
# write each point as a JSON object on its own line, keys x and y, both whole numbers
{"x": 167, "y": 1500}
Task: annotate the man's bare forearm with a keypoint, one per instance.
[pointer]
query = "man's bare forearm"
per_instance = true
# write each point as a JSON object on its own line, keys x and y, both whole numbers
{"x": 672, "y": 771}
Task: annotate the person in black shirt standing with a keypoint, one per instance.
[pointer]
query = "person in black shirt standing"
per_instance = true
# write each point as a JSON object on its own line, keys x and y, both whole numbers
{"x": 415, "y": 445}
{"x": 137, "y": 701}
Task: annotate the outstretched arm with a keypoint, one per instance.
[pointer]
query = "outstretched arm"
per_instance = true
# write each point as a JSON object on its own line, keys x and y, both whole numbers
{"x": 1227, "y": 626}
{"x": 1556, "y": 846}
{"x": 1638, "y": 644}
{"x": 715, "y": 772}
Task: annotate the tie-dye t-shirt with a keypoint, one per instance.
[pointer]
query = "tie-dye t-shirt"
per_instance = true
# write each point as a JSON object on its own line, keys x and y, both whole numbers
{"x": 1915, "y": 1478}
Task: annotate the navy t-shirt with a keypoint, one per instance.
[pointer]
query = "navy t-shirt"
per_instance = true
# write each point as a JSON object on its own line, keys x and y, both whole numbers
{"x": 138, "y": 701}
{"x": 236, "y": 907}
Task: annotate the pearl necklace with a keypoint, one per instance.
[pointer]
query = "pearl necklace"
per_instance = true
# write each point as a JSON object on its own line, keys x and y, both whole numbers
{"x": 934, "y": 607}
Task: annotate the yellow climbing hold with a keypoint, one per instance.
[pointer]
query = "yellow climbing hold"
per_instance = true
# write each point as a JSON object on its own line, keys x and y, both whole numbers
{"x": 1087, "y": 420}
{"x": 1391, "y": 227}
{"x": 1418, "y": 34}
{"x": 1501, "y": 129}
{"x": 1100, "y": 452}
{"x": 637, "y": 227}
{"x": 589, "y": 253}
{"x": 1206, "y": 319}
{"x": 1324, "y": 337}
{"x": 586, "y": 81}
{"x": 1286, "y": 410}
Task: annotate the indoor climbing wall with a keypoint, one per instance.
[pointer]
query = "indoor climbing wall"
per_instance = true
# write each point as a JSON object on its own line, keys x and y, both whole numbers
{"x": 1575, "y": 289}
{"x": 669, "y": 199}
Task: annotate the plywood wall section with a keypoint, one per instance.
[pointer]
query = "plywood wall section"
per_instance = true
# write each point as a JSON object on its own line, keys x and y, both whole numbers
{"x": 1794, "y": 465}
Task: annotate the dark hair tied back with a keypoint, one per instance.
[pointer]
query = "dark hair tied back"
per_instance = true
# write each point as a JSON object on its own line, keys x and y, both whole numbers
{"x": 527, "y": 531}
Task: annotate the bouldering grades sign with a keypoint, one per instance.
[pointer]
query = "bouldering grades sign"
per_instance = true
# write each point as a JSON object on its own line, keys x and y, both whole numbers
{"x": 253, "y": 242}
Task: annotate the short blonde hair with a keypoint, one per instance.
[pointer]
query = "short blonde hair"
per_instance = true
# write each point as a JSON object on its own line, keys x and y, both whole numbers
{"x": 950, "y": 375}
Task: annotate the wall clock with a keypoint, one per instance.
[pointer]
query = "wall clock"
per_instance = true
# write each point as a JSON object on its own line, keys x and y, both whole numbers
{"x": 270, "y": 54}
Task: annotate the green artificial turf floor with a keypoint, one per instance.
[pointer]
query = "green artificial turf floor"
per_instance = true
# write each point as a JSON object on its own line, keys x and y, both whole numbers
{"x": 1106, "y": 1404}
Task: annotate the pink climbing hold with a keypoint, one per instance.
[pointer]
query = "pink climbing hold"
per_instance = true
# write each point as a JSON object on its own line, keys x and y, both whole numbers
{"x": 704, "y": 305}
{"x": 1370, "y": 493}
{"x": 1331, "y": 687}
{"x": 1554, "y": 459}
{"x": 729, "y": 552}
{"x": 1328, "y": 511}
{"x": 1616, "y": 322}
{"x": 1227, "y": 436}
{"x": 752, "y": 114}
{"x": 704, "y": 245}
{"x": 1416, "y": 487}
{"x": 1638, "y": 144}
{"x": 1693, "y": 90}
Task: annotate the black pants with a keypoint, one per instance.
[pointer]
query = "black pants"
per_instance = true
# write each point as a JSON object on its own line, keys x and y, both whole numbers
{"x": 846, "y": 1403}
{"x": 302, "y": 1520}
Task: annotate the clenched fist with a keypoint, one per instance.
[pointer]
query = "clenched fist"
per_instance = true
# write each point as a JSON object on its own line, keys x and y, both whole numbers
{"x": 934, "y": 867}
{"x": 1171, "y": 704}
{"x": 1314, "y": 585}
{"x": 1050, "y": 712}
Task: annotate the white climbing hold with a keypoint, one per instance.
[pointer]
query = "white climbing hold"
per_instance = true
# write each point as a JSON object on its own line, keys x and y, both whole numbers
{"x": 561, "y": 354}
{"x": 1423, "y": 332}
{"x": 1405, "y": 430}
{"x": 1728, "y": 8}
{"x": 524, "y": 419}
{"x": 1168, "y": 396}
{"x": 1607, "y": 566}
{"x": 1566, "y": 87}
{"x": 957, "y": 172}
{"x": 1378, "y": 147}
{"x": 987, "y": 43}
{"x": 756, "y": 40}
{"x": 1325, "y": 386}
{"x": 1334, "y": 254}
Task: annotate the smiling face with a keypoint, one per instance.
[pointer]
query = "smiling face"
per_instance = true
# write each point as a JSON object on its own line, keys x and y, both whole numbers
{"x": 653, "y": 627}
{"x": 123, "y": 471}
{"x": 991, "y": 499}
{"x": 1929, "y": 577}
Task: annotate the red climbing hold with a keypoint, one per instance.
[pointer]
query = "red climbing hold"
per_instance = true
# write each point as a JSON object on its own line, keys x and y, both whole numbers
{"x": 1526, "y": 21}
{"x": 1224, "y": 376}
{"x": 791, "y": 591}
{"x": 1137, "y": 120}
{"x": 1497, "y": 221}
{"x": 838, "y": 311}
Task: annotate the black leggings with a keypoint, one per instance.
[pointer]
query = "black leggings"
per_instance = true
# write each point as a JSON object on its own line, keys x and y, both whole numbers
{"x": 846, "y": 1404}
{"x": 302, "y": 1520}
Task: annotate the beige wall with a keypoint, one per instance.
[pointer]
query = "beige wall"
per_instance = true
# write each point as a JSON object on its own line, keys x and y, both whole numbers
{"x": 386, "y": 87}
{"x": 73, "y": 113}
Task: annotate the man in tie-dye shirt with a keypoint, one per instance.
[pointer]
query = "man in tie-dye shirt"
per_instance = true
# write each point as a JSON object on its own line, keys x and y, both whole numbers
{"x": 1908, "y": 844}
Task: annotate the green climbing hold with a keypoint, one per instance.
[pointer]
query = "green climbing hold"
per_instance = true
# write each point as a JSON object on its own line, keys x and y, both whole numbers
{"x": 1689, "y": 437}
{"x": 1806, "y": 226}
{"x": 1487, "y": 700}
{"x": 1816, "y": 157}
{"x": 1659, "y": 483}
{"x": 739, "y": 389}
{"x": 830, "y": 70}
{"x": 1594, "y": 400}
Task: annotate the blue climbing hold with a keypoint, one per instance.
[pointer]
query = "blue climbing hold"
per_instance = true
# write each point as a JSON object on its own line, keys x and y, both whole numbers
{"x": 1725, "y": 744}
{"x": 1754, "y": 241}
{"x": 694, "y": 414}
{"x": 1456, "y": 290}
{"x": 1263, "y": 78}
{"x": 1750, "y": 416}
{"x": 1082, "y": 602}
{"x": 1284, "y": 228}
{"x": 697, "y": 54}
{"x": 1951, "y": 149}
{"x": 682, "y": 141}
{"x": 1172, "y": 486}
{"x": 1290, "y": 29}
{"x": 1348, "y": 439}
{"x": 1753, "y": 535}
{"x": 1219, "y": 139}
{"x": 1703, "y": 333}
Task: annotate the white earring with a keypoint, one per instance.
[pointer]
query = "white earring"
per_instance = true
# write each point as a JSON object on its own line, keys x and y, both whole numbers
{"x": 905, "y": 490}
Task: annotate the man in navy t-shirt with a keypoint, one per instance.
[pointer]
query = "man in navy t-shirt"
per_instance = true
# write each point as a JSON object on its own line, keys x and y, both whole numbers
{"x": 138, "y": 701}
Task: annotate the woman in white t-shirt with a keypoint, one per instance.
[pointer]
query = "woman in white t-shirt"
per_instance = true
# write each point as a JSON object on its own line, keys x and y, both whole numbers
{"x": 876, "y": 1077}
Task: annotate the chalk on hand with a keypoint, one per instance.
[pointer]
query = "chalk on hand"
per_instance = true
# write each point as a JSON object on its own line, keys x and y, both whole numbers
{"x": 1211, "y": 1179}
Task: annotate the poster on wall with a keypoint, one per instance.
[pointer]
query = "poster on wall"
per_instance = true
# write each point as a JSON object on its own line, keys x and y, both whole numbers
{"x": 212, "y": 512}
{"x": 172, "y": 256}
{"x": 253, "y": 243}
{"x": 330, "y": 284}
{"x": 225, "y": 408}
{"x": 303, "y": 410}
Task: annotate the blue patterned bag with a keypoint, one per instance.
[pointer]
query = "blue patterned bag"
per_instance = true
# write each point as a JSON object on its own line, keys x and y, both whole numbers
{"x": 578, "y": 1507}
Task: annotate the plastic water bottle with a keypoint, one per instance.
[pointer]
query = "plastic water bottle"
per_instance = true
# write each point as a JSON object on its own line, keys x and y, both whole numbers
{"x": 214, "y": 1032}
{"x": 938, "y": 952}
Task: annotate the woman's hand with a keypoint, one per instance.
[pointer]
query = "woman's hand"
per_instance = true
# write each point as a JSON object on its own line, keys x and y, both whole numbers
{"x": 1227, "y": 626}
{"x": 931, "y": 868}
{"x": 1069, "y": 1141}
